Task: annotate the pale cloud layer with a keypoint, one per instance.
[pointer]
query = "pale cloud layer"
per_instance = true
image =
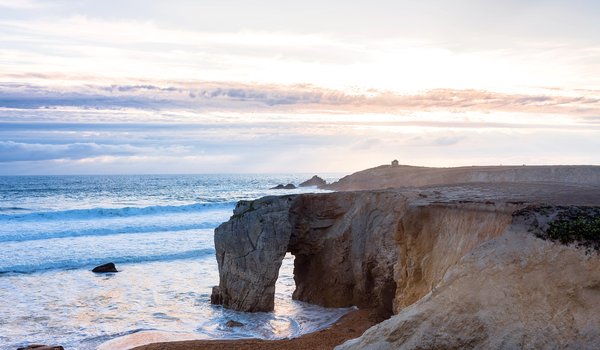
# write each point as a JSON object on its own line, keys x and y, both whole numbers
{"x": 236, "y": 96}
{"x": 116, "y": 141}
{"x": 80, "y": 48}
{"x": 21, "y": 4}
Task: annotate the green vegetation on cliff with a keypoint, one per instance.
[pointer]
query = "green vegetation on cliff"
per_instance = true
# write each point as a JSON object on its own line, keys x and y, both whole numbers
{"x": 580, "y": 226}
{"x": 566, "y": 225}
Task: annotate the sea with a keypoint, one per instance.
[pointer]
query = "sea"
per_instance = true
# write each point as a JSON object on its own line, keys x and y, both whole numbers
{"x": 158, "y": 230}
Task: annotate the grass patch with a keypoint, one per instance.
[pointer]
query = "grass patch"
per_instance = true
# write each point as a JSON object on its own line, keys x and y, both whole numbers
{"x": 576, "y": 225}
{"x": 568, "y": 225}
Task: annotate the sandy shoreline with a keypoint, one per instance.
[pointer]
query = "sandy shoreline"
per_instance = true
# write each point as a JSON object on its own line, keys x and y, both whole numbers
{"x": 350, "y": 326}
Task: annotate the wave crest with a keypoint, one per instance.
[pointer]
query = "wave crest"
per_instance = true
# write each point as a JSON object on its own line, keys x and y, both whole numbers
{"x": 94, "y": 213}
{"x": 89, "y": 263}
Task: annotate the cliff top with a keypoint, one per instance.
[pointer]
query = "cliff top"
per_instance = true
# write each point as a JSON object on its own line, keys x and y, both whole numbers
{"x": 397, "y": 176}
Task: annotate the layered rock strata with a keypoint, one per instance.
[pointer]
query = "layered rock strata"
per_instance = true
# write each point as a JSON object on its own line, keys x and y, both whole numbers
{"x": 515, "y": 291}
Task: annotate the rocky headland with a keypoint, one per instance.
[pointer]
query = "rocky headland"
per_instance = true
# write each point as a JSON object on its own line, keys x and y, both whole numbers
{"x": 397, "y": 176}
{"x": 474, "y": 257}
{"x": 316, "y": 181}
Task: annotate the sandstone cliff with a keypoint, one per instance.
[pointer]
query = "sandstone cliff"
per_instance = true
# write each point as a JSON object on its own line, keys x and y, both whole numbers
{"x": 513, "y": 292}
{"x": 343, "y": 245}
{"x": 459, "y": 266}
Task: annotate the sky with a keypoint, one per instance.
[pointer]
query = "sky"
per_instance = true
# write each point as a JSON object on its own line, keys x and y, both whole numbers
{"x": 132, "y": 87}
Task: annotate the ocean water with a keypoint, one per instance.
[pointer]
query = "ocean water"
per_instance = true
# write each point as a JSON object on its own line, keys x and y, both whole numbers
{"x": 159, "y": 232}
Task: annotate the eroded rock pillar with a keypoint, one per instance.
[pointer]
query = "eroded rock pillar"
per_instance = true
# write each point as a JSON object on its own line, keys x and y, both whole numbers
{"x": 250, "y": 248}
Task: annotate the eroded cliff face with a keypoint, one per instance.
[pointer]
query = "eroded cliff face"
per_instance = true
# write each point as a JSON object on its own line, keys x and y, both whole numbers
{"x": 377, "y": 249}
{"x": 512, "y": 292}
{"x": 343, "y": 243}
{"x": 432, "y": 238}
{"x": 460, "y": 267}
{"x": 345, "y": 248}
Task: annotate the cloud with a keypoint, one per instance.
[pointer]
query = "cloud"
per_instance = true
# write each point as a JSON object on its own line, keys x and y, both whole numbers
{"x": 238, "y": 96}
{"x": 11, "y": 151}
{"x": 367, "y": 144}
{"x": 592, "y": 119}
{"x": 448, "y": 140}
{"x": 21, "y": 4}
{"x": 93, "y": 46}
{"x": 15, "y": 151}
{"x": 279, "y": 144}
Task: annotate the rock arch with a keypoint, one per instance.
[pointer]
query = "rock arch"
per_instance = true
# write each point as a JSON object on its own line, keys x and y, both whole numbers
{"x": 381, "y": 250}
{"x": 343, "y": 246}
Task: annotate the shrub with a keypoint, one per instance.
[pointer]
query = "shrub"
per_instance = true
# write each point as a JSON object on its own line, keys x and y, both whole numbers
{"x": 580, "y": 226}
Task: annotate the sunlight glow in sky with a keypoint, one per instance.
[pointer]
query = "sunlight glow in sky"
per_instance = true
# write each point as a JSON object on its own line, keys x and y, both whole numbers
{"x": 270, "y": 86}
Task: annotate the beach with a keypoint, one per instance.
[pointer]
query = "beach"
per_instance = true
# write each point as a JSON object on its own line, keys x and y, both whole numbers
{"x": 349, "y": 326}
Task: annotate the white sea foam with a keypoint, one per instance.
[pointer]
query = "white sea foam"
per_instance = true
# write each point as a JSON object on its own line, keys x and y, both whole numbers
{"x": 101, "y": 213}
{"x": 20, "y": 231}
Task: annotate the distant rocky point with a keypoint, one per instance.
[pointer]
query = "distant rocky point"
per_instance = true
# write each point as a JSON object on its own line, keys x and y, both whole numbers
{"x": 314, "y": 181}
{"x": 283, "y": 187}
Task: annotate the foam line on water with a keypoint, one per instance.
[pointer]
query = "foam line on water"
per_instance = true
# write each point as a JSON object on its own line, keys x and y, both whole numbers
{"x": 12, "y": 209}
{"x": 94, "y": 213}
{"x": 91, "y": 262}
{"x": 106, "y": 231}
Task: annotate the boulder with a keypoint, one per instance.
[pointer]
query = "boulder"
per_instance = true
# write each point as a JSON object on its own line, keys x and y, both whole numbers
{"x": 109, "y": 267}
{"x": 284, "y": 187}
{"x": 313, "y": 181}
{"x": 232, "y": 323}
{"x": 42, "y": 347}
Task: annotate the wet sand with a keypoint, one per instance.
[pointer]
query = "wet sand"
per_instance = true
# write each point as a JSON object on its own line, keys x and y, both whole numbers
{"x": 350, "y": 326}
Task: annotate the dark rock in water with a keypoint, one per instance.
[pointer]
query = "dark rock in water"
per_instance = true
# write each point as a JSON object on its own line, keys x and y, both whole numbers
{"x": 284, "y": 187}
{"x": 313, "y": 181}
{"x": 110, "y": 267}
{"x": 216, "y": 296}
{"x": 232, "y": 323}
{"x": 42, "y": 347}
